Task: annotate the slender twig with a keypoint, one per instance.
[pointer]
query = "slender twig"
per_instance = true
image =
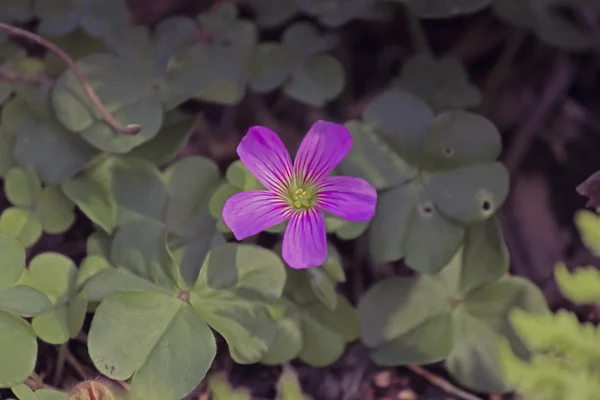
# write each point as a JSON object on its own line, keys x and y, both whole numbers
{"x": 6, "y": 75}
{"x": 419, "y": 36}
{"x": 130, "y": 129}
{"x": 442, "y": 383}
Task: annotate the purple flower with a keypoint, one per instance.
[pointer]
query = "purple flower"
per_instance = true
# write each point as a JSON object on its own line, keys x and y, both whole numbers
{"x": 299, "y": 192}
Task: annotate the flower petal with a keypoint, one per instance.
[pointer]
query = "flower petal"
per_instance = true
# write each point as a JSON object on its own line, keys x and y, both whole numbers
{"x": 251, "y": 212}
{"x": 304, "y": 241}
{"x": 352, "y": 199}
{"x": 266, "y": 157}
{"x": 323, "y": 148}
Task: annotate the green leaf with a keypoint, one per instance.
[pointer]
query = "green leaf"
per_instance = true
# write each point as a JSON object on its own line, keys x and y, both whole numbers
{"x": 55, "y": 210}
{"x": 469, "y": 194}
{"x": 588, "y": 224}
{"x": 482, "y": 259}
{"x": 112, "y": 79}
{"x": 320, "y": 80}
{"x": 272, "y": 13}
{"x": 43, "y": 142}
{"x": 17, "y": 343}
{"x": 373, "y": 160}
{"x": 446, "y": 8}
{"x": 92, "y": 194}
{"x": 268, "y": 67}
{"x": 451, "y": 142}
{"x": 443, "y": 83}
{"x": 140, "y": 246}
{"x": 109, "y": 280}
{"x": 471, "y": 361}
{"x": 303, "y": 40}
{"x": 234, "y": 285}
{"x": 170, "y": 139}
{"x": 582, "y": 286}
{"x": 191, "y": 182}
{"x": 91, "y": 265}
{"x": 96, "y": 17}
{"x": 21, "y": 224}
{"x": 24, "y": 301}
{"x": 288, "y": 340}
{"x": 167, "y": 361}
{"x": 408, "y": 206}
{"x": 326, "y": 332}
{"x": 138, "y": 188}
{"x": 7, "y": 159}
{"x": 12, "y": 262}
{"x": 335, "y": 13}
{"x": 22, "y": 186}
{"x": 324, "y": 287}
{"x": 55, "y": 275}
{"x": 406, "y": 304}
{"x": 402, "y": 119}
{"x": 78, "y": 44}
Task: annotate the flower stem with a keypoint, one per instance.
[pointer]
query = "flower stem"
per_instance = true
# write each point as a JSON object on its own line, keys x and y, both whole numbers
{"x": 130, "y": 129}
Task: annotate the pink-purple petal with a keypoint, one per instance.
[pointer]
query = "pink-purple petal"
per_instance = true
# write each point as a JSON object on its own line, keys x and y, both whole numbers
{"x": 349, "y": 198}
{"x": 266, "y": 157}
{"x": 323, "y": 148}
{"x": 251, "y": 212}
{"x": 304, "y": 240}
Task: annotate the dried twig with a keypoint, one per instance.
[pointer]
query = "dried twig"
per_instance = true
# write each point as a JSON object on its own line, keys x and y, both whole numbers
{"x": 130, "y": 129}
{"x": 442, "y": 383}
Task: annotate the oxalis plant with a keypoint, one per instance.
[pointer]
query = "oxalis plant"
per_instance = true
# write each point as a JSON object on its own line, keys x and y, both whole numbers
{"x": 185, "y": 255}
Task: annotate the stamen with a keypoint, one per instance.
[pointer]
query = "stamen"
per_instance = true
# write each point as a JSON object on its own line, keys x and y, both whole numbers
{"x": 302, "y": 197}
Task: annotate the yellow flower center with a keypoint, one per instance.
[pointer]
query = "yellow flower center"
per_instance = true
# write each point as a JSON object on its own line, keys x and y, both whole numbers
{"x": 302, "y": 198}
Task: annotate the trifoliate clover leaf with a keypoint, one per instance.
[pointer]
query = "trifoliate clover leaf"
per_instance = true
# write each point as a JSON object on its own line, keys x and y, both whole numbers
{"x": 76, "y": 44}
{"x": 235, "y": 284}
{"x": 143, "y": 287}
{"x": 17, "y": 338}
{"x": 446, "y": 8}
{"x": 457, "y": 315}
{"x": 436, "y": 177}
{"x": 116, "y": 190}
{"x": 41, "y": 141}
{"x": 546, "y": 21}
{"x": 23, "y": 392}
{"x": 335, "y": 13}
{"x": 442, "y": 83}
{"x": 236, "y": 39}
{"x": 299, "y": 65}
{"x": 144, "y": 76}
{"x": 314, "y": 322}
{"x": 55, "y": 275}
{"x": 96, "y": 17}
{"x": 319, "y": 80}
{"x": 36, "y": 209}
{"x": 272, "y": 13}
